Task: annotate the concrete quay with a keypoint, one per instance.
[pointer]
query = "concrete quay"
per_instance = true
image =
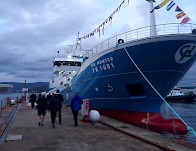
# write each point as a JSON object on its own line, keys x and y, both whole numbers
{"x": 26, "y": 135}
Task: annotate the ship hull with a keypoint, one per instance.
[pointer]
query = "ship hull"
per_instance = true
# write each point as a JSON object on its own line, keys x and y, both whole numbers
{"x": 148, "y": 120}
{"x": 123, "y": 81}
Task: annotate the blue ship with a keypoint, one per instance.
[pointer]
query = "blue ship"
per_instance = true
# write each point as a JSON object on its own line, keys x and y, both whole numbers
{"x": 126, "y": 76}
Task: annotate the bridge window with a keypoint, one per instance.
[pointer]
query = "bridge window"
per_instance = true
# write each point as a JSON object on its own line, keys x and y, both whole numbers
{"x": 67, "y": 63}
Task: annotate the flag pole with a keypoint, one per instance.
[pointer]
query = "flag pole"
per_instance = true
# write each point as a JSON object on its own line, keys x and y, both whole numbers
{"x": 153, "y": 30}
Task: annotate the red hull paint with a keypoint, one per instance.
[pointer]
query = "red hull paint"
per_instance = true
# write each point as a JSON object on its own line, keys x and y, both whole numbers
{"x": 151, "y": 121}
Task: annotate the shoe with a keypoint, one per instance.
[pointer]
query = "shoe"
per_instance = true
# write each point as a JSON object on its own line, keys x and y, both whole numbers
{"x": 42, "y": 124}
{"x": 52, "y": 125}
{"x": 39, "y": 124}
{"x": 60, "y": 123}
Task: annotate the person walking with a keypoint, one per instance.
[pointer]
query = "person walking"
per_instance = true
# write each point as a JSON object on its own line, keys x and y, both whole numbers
{"x": 42, "y": 105}
{"x": 53, "y": 106}
{"x": 76, "y": 103}
{"x": 60, "y": 100}
{"x": 32, "y": 99}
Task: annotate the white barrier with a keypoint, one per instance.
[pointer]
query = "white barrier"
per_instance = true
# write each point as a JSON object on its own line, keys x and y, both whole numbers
{"x": 85, "y": 109}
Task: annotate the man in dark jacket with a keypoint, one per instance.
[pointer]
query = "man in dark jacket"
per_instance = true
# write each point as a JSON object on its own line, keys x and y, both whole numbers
{"x": 53, "y": 105}
{"x": 76, "y": 103}
{"x": 32, "y": 99}
{"x": 60, "y": 100}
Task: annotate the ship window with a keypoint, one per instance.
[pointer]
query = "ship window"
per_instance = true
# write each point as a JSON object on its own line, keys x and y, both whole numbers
{"x": 68, "y": 63}
{"x": 57, "y": 63}
{"x": 135, "y": 89}
{"x": 72, "y": 63}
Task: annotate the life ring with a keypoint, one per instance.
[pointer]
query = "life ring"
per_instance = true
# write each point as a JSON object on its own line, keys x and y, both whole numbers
{"x": 120, "y": 41}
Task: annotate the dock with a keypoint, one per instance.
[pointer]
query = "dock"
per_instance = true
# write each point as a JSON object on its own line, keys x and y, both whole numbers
{"x": 22, "y": 133}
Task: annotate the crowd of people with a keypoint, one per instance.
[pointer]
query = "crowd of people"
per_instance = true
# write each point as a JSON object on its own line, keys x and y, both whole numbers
{"x": 53, "y": 104}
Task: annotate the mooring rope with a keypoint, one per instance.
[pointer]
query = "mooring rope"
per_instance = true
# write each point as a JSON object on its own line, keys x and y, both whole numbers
{"x": 189, "y": 128}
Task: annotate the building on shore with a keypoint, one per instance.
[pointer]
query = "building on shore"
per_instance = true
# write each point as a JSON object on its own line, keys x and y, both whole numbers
{"x": 6, "y": 88}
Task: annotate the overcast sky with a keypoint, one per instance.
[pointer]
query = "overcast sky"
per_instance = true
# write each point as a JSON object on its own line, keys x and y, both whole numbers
{"x": 31, "y": 31}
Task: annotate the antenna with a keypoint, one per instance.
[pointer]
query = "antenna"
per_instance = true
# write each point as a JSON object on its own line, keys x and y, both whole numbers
{"x": 78, "y": 40}
{"x": 153, "y": 30}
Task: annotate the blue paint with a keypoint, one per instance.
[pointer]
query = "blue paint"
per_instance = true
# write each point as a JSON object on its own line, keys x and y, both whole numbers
{"x": 157, "y": 62}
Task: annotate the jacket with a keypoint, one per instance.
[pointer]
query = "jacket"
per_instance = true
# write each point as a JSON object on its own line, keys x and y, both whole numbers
{"x": 76, "y": 103}
{"x": 42, "y": 103}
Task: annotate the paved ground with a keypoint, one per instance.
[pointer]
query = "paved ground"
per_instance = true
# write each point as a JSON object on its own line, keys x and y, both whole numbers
{"x": 85, "y": 137}
{"x": 4, "y": 117}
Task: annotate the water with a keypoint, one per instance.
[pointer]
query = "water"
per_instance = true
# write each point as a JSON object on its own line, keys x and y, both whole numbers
{"x": 186, "y": 111}
{"x": 12, "y": 95}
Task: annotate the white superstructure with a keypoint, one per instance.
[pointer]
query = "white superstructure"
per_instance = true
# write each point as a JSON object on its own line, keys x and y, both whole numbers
{"x": 65, "y": 67}
{"x": 176, "y": 92}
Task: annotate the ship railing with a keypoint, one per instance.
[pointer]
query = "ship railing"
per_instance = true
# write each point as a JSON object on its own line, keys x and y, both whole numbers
{"x": 141, "y": 33}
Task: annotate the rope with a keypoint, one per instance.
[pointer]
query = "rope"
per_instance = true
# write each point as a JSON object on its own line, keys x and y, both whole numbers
{"x": 190, "y": 129}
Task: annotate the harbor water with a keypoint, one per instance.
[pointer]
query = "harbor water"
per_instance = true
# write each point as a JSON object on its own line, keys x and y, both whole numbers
{"x": 186, "y": 111}
{"x": 12, "y": 95}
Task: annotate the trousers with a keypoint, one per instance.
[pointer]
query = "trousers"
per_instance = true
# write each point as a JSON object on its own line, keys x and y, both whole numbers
{"x": 75, "y": 114}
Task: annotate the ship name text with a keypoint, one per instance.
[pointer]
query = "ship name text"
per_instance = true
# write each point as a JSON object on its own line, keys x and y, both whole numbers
{"x": 101, "y": 65}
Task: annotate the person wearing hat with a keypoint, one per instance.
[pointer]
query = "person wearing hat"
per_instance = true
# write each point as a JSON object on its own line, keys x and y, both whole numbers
{"x": 42, "y": 105}
{"x": 32, "y": 99}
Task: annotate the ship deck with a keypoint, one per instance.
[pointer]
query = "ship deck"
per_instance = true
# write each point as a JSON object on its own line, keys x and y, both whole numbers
{"x": 22, "y": 133}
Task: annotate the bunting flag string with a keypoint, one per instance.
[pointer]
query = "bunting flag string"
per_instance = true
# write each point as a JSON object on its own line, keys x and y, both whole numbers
{"x": 180, "y": 15}
{"x": 171, "y": 4}
{"x": 160, "y": 5}
{"x": 102, "y": 26}
{"x": 178, "y": 9}
{"x": 185, "y": 20}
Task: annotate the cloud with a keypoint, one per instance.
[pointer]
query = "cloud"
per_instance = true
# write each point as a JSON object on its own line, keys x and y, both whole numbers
{"x": 32, "y": 31}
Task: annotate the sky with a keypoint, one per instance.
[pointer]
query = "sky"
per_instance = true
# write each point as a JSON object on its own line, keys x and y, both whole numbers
{"x": 31, "y": 32}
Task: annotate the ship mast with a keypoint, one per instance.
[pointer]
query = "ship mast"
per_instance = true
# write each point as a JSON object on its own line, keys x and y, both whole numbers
{"x": 153, "y": 30}
{"x": 25, "y": 92}
{"x": 78, "y": 40}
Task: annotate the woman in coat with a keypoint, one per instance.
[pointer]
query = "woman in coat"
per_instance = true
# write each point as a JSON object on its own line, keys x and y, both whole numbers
{"x": 42, "y": 105}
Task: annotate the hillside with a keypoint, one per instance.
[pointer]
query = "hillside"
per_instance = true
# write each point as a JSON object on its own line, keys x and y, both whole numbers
{"x": 37, "y": 86}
